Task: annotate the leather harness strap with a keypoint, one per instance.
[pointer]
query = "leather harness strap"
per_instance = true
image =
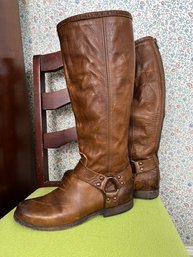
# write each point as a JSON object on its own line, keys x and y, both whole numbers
{"x": 145, "y": 165}
{"x": 100, "y": 181}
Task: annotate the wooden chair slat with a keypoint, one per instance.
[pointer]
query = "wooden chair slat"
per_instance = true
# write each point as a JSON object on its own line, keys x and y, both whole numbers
{"x": 51, "y": 62}
{"x": 59, "y": 138}
{"x": 55, "y": 100}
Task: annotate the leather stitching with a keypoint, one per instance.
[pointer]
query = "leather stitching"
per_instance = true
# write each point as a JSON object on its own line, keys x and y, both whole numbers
{"x": 92, "y": 15}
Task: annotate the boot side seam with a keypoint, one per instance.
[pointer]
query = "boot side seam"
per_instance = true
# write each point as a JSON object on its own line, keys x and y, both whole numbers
{"x": 160, "y": 112}
{"x": 108, "y": 95}
{"x": 131, "y": 141}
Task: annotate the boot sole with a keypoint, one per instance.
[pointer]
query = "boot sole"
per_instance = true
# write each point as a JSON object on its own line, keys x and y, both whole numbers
{"x": 105, "y": 212}
{"x": 146, "y": 194}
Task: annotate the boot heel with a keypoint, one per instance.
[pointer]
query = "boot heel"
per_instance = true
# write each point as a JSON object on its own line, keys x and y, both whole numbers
{"x": 146, "y": 194}
{"x": 118, "y": 209}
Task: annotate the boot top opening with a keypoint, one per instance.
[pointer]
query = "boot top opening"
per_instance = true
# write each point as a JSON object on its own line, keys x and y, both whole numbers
{"x": 93, "y": 15}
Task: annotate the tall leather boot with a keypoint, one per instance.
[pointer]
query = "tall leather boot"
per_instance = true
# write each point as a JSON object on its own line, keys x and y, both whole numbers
{"x": 146, "y": 118}
{"x": 98, "y": 54}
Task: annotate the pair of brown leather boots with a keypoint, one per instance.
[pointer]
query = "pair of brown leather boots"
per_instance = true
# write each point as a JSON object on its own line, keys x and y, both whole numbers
{"x": 116, "y": 87}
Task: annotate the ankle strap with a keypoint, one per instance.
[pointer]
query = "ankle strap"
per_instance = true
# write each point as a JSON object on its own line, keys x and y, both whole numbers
{"x": 100, "y": 181}
{"x": 145, "y": 165}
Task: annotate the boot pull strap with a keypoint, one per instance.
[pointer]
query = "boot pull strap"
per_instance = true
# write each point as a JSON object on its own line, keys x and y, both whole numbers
{"x": 155, "y": 40}
{"x": 145, "y": 165}
{"x": 101, "y": 181}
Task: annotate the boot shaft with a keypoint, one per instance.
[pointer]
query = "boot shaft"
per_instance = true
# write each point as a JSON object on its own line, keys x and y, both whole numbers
{"x": 148, "y": 101}
{"x": 98, "y": 54}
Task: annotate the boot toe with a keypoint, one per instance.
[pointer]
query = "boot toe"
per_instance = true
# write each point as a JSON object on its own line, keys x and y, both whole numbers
{"x": 32, "y": 213}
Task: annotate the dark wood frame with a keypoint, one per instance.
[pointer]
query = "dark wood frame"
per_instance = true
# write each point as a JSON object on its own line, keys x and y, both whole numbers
{"x": 17, "y": 178}
{"x": 44, "y": 101}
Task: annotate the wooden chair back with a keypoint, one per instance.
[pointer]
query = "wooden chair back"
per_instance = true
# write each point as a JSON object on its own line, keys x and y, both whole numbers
{"x": 44, "y": 101}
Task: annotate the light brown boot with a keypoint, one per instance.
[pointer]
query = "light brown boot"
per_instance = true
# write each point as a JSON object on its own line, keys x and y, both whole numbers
{"x": 146, "y": 118}
{"x": 99, "y": 61}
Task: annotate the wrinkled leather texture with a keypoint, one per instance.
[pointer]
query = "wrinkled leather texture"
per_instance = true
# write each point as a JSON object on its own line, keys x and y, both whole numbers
{"x": 147, "y": 181}
{"x": 98, "y": 55}
{"x": 99, "y": 69}
{"x": 147, "y": 113}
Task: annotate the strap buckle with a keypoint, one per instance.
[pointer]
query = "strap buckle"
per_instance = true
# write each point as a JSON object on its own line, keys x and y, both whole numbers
{"x": 109, "y": 184}
{"x": 111, "y": 196}
{"x": 114, "y": 181}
